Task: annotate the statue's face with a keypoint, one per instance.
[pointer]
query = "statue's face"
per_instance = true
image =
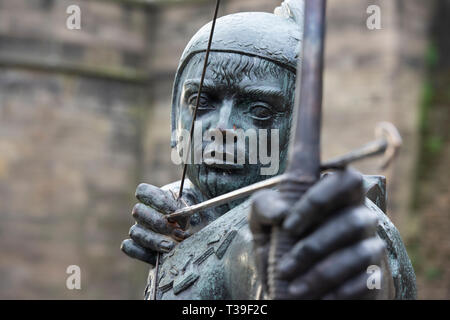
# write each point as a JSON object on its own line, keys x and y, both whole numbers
{"x": 239, "y": 93}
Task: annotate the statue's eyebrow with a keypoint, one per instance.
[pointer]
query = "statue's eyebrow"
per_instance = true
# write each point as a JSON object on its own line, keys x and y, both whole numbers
{"x": 269, "y": 94}
{"x": 193, "y": 84}
{"x": 265, "y": 93}
{"x": 249, "y": 91}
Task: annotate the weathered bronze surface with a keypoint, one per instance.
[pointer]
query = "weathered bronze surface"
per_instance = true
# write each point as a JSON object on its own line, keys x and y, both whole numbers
{"x": 222, "y": 252}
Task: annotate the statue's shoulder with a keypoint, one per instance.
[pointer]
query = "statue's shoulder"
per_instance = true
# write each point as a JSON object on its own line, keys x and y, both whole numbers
{"x": 375, "y": 190}
{"x": 199, "y": 267}
{"x": 399, "y": 262}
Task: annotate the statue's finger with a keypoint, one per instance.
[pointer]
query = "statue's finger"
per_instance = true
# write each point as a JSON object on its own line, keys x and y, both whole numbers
{"x": 154, "y": 220}
{"x": 336, "y": 269}
{"x": 131, "y": 249}
{"x": 348, "y": 227}
{"x": 326, "y": 197}
{"x": 156, "y": 198}
{"x": 268, "y": 209}
{"x": 261, "y": 259}
{"x": 353, "y": 289}
{"x": 151, "y": 240}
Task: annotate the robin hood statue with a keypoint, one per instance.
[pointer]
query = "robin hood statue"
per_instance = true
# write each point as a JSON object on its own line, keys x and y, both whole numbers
{"x": 343, "y": 246}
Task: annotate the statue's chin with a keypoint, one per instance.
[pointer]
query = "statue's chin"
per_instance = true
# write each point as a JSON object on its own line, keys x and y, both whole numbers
{"x": 214, "y": 181}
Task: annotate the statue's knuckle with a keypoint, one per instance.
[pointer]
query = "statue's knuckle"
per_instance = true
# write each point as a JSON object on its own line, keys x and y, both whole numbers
{"x": 380, "y": 246}
{"x": 254, "y": 209}
{"x": 355, "y": 178}
{"x": 319, "y": 274}
{"x": 370, "y": 249}
{"x": 309, "y": 249}
{"x": 161, "y": 226}
{"x": 148, "y": 238}
{"x": 360, "y": 221}
{"x": 317, "y": 199}
{"x": 364, "y": 211}
{"x": 261, "y": 199}
{"x": 370, "y": 228}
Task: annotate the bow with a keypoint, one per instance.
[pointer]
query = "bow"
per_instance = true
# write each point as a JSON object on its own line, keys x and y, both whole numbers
{"x": 304, "y": 164}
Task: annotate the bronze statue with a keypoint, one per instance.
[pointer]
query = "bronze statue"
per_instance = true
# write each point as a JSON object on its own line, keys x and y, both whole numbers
{"x": 338, "y": 229}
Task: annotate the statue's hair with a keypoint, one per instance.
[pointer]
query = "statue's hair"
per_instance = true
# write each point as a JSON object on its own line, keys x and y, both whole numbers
{"x": 232, "y": 67}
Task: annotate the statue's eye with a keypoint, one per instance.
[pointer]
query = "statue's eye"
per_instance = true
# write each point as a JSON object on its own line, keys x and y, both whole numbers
{"x": 204, "y": 104}
{"x": 261, "y": 112}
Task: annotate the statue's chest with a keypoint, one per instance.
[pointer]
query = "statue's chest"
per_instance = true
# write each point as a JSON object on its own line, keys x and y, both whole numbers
{"x": 198, "y": 267}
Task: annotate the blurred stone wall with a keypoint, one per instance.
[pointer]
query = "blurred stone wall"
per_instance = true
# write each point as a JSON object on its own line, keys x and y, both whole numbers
{"x": 85, "y": 117}
{"x": 72, "y": 104}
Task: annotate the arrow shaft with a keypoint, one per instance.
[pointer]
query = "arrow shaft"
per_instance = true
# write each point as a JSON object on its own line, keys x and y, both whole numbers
{"x": 370, "y": 149}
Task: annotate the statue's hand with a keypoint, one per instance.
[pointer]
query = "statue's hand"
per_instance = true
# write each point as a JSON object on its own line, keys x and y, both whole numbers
{"x": 336, "y": 235}
{"x": 152, "y": 232}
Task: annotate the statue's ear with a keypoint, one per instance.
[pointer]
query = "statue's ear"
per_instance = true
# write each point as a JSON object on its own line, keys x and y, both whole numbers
{"x": 173, "y": 136}
{"x": 173, "y": 139}
{"x": 174, "y": 113}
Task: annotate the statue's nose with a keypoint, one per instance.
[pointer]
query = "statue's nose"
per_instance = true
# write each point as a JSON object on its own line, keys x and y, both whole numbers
{"x": 225, "y": 116}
